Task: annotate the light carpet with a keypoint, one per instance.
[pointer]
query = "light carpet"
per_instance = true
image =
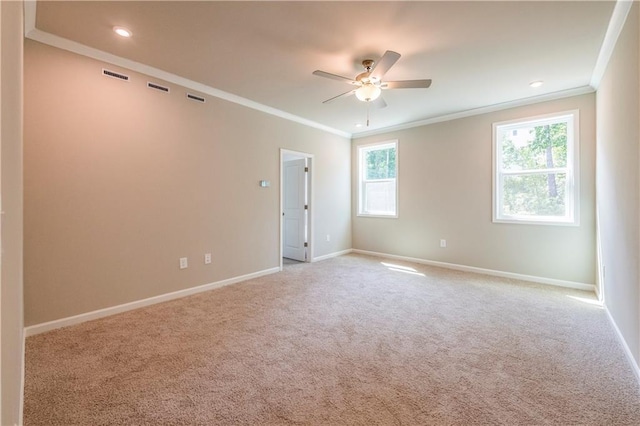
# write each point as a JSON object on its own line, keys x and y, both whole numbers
{"x": 346, "y": 341}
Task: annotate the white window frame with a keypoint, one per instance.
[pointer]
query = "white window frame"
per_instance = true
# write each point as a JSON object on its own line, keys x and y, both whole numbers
{"x": 572, "y": 190}
{"x": 362, "y": 182}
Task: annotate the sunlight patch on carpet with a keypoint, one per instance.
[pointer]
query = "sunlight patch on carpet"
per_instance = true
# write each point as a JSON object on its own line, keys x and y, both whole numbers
{"x": 403, "y": 269}
{"x": 588, "y": 301}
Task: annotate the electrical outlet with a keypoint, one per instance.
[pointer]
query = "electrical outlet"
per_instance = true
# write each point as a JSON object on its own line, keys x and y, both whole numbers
{"x": 328, "y": 237}
{"x": 183, "y": 263}
{"x": 207, "y": 258}
{"x": 443, "y": 243}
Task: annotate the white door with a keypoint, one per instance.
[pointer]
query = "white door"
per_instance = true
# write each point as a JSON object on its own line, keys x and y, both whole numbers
{"x": 294, "y": 220}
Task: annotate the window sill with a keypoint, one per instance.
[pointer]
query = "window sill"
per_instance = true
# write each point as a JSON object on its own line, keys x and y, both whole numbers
{"x": 551, "y": 222}
{"x": 385, "y": 216}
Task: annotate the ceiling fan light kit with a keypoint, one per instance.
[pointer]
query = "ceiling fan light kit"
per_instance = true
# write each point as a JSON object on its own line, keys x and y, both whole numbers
{"x": 368, "y": 92}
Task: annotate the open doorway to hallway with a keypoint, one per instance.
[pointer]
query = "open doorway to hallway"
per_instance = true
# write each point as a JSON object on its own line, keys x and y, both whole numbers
{"x": 295, "y": 207}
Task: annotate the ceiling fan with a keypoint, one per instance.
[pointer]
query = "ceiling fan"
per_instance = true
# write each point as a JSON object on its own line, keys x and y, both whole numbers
{"x": 369, "y": 84}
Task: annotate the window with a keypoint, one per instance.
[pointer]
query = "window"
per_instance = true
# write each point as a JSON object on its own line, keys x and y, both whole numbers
{"x": 377, "y": 179}
{"x": 536, "y": 170}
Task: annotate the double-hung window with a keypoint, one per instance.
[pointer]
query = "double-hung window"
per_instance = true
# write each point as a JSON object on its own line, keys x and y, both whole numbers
{"x": 535, "y": 166}
{"x": 377, "y": 179}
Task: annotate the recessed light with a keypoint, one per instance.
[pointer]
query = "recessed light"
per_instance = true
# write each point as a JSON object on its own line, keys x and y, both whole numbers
{"x": 358, "y": 125}
{"x": 536, "y": 83}
{"x": 123, "y": 32}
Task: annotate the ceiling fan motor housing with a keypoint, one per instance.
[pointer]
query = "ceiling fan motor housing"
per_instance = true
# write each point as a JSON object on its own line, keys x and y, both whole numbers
{"x": 364, "y": 77}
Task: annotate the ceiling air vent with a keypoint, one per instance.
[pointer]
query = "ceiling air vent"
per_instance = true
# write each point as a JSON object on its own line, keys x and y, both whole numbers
{"x": 195, "y": 97}
{"x": 114, "y": 74}
{"x": 151, "y": 85}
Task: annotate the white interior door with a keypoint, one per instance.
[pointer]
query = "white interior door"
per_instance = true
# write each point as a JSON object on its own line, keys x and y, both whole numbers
{"x": 294, "y": 214}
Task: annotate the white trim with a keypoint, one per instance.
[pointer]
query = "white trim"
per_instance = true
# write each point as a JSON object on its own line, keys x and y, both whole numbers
{"x": 383, "y": 216}
{"x": 31, "y": 32}
{"x": 331, "y": 255}
{"x": 29, "y": 16}
{"x": 101, "y": 313}
{"x": 310, "y": 200}
{"x": 1, "y": 363}
{"x": 80, "y": 49}
{"x": 294, "y": 153}
{"x": 393, "y": 143}
{"x": 572, "y": 169}
{"x": 479, "y": 111}
{"x": 492, "y": 272}
{"x": 616, "y": 23}
{"x": 601, "y": 270}
{"x": 21, "y": 412}
{"x": 627, "y": 351}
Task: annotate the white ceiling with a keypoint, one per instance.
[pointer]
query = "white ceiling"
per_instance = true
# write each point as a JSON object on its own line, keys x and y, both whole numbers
{"x": 478, "y": 54}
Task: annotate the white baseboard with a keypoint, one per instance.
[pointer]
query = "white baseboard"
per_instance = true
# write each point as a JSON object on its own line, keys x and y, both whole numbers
{"x": 21, "y": 408}
{"x": 531, "y": 278}
{"x": 101, "y": 313}
{"x": 330, "y": 255}
{"x": 627, "y": 350}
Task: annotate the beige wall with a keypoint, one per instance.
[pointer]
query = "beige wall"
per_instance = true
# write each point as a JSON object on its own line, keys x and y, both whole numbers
{"x": 445, "y": 193}
{"x": 121, "y": 181}
{"x": 618, "y": 185}
{"x": 11, "y": 169}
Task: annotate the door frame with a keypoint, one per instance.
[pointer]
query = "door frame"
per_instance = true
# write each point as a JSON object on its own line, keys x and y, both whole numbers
{"x": 283, "y": 153}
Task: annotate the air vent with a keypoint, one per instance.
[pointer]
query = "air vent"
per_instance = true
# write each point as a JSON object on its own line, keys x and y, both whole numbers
{"x": 114, "y": 74}
{"x": 195, "y": 97}
{"x": 151, "y": 85}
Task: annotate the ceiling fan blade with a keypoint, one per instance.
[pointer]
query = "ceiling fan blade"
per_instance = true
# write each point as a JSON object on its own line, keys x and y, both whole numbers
{"x": 379, "y": 103}
{"x": 339, "y": 96}
{"x": 334, "y": 77}
{"x": 406, "y": 84}
{"x": 384, "y": 64}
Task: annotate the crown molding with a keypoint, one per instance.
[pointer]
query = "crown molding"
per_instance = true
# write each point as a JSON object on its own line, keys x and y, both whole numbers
{"x": 616, "y": 23}
{"x": 32, "y": 33}
{"x": 478, "y": 111}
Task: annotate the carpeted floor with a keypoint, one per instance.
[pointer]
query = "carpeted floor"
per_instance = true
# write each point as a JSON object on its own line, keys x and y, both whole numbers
{"x": 346, "y": 341}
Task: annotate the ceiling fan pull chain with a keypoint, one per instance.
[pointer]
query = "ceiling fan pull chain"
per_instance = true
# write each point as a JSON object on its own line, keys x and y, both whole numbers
{"x": 368, "y": 104}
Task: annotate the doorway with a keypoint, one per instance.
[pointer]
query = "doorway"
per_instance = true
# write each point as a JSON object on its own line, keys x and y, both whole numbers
{"x": 295, "y": 207}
